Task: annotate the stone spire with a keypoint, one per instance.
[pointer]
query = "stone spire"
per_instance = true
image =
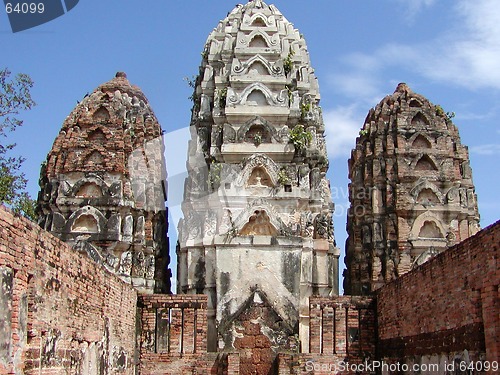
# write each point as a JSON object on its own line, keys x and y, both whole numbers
{"x": 411, "y": 191}
{"x": 257, "y": 228}
{"x": 103, "y": 186}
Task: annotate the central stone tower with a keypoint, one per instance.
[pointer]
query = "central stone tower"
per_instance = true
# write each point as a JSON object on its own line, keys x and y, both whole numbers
{"x": 257, "y": 234}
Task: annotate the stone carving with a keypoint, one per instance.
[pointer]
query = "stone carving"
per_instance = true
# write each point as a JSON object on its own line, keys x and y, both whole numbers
{"x": 315, "y": 179}
{"x": 240, "y": 68}
{"x": 205, "y": 111}
{"x": 367, "y": 235}
{"x": 283, "y": 135}
{"x": 128, "y": 228}
{"x": 294, "y": 223}
{"x": 149, "y": 265}
{"x": 271, "y": 98}
{"x": 259, "y": 122}
{"x": 210, "y": 224}
{"x": 323, "y": 228}
{"x": 226, "y": 224}
{"x": 453, "y": 195}
{"x": 324, "y": 188}
{"x": 138, "y": 265}
{"x": 295, "y": 102}
{"x": 303, "y": 173}
{"x": 229, "y": 134}
{"x": 125, "y": 264}
{"x": 307, "y": 223}
{"x": 255, "y": 161}
{"x": 140, "y": 228}
{"x": 202, "y": 141}
{"x": 259, "y": 224}
{"x": 192, "y": 226}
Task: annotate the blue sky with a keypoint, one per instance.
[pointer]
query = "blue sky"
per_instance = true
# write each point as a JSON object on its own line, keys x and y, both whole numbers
{"x": 446, "y": 50}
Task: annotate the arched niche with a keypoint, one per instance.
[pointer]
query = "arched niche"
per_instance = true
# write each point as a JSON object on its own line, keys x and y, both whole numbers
{"x": 414, "y": 103}
{"x": 86, "y": 220}
{"x": 425, "y": 163}
{"x": 432, "y": 192}
{"x": 430, "y": 229}
{"x": 85, "y": 224}
{"x": 258, "y": 41}
{"x": 257, "y": 124}
{"x": 89, "y": 190}
{"x": 425, "y": 225}
{"x": 257, "y": 98}
{"x": 421, "y": 142}
{"x": 427, "y": 196}
{"x": 257, "y": 93}
{"x": 96, "y": 135}
{"x": 419, "y": 120}
{"x": 259, "y": 224}
{"x": 90, "y": 186}
{"x": 256, "y": 161}
{"x": 257, "y": 134}
{"x": 94, "y": 158}
{"x": 101, "y": 115}
{"x": 258, "y": 21}
{"x": 257, "y": 68}
{"x": 260, "y": 177}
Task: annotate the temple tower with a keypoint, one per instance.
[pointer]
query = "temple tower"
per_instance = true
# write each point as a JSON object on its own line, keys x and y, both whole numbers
{"x": 257, "y": 234}
{"x": 103, "y": 186}
{"x": 411, "y": 191}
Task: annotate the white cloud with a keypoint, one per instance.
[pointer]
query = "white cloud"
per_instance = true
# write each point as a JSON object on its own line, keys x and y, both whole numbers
{"x": 489, "y": 149}
{"x": 359, "y": 86}
{"x": 342, "y": 127}
{"x": 468, "y": 55}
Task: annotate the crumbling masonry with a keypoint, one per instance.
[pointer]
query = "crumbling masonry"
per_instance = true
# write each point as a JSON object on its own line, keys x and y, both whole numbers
{"x": 87, "y": 291}
{"x": 411, "y": 191}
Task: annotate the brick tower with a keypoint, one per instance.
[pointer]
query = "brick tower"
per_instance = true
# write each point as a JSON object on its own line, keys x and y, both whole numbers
{"x": 257, "y": 234}
{"x": 411, "y": 191}
{"x": 103, "y": 186}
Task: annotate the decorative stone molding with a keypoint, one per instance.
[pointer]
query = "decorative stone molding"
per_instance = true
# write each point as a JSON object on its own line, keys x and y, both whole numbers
{"x": 254, "y": 161}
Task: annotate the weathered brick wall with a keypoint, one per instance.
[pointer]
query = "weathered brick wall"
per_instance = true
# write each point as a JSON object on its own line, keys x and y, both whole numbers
{"x": 173, "y": 337}
{"x": 448, "y": 308}
{"x": 61, "y": 312}
{"x": 343, "y": 325}
{"x": 342, "y": 331}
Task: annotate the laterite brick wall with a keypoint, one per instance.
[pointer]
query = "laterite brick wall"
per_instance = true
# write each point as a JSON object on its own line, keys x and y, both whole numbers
{"x": 61, "y": 312}
{"x": 447, "y": 309}
{"x": 173, "y": 337}
{"x": 342, "y": 330}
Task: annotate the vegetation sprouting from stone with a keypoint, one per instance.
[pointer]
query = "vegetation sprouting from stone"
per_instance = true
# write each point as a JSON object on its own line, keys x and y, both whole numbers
{"x": 440, "y": 112}
{"x": 283, "y": 177}
{"x": 222, "y": 96}
{"x": 288, "y": 62}
{"x": 300, "y": 137}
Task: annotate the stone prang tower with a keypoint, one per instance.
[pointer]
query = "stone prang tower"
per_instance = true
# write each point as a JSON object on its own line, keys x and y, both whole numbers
{"x": 257, "y": 234}
{"x": 411, "y": 191}
{"x": 103, "y": 186}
